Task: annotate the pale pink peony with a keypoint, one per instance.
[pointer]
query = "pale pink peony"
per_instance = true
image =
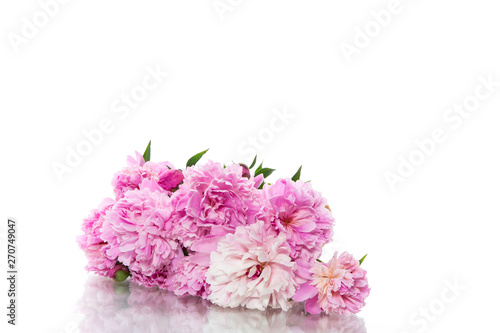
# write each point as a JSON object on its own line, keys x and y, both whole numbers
{"x": 252, "y": 268}
{"x": 337, "y": 287}
{"x": 131, "y": 177}
{"x": 295, "y": 209}
{"x": 213, "y": 196}
{"x": 189, "y": 278}
{"x": 138, "y": 230}
{"x": 93, "y": 245}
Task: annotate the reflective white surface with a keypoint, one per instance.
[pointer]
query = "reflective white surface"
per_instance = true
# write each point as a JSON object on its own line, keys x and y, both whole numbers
{"x": 107, "y": 306}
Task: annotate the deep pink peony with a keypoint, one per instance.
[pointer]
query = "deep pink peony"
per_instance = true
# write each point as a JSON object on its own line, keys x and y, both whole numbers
{"x": 138, "y": 230}
{"x": 130, "y": 177}
{"x": 189, "y": 278}
{"x": 213, "y": 196}
{"x": 337, "y": 287}
{"x": 252, "y": 268}
{"x": 295, "y": 209}
{"x": 92, "y": 244}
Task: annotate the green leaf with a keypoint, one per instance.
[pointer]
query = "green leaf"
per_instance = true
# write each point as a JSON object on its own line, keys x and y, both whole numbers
{"x": 266, "y": 172}
{"x": 253, "y": 163}
{"x": 297, "y": 174}
{"x": 147, "y": 153}
{"x": 258, "y": 168}
{"x": 318, "y": 260}
{"x": 193, "y": 160}
{"x": 262, "y": 185}
{"x": 362, "y": 259}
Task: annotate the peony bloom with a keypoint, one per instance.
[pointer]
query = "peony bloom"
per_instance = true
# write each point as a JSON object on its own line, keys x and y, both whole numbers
{"x": 213, "y": 196}
{"x": 157, "y": 279}
{"x": 130, "y": 177}
{"x": 160, "y": 277}
{"x": 295, "y": 209}
{"x": 337, "y": 287}
{"x": 138, "y": 230}
{"x": 252, "y": 268}
{"x": 92, "y": 244}
{"x": 189, "y": 278}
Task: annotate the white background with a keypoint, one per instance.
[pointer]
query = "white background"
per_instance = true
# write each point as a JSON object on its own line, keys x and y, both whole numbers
{"x": 228, "y": 74}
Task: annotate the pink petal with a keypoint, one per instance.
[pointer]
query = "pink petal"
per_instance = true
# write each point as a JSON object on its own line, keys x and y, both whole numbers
{"x": 206, "y": 245}
{"x": 150, "y": 184}
{"x": 311, "y": 306}
{"x": 305, "y": 292}
{"x": 202, "y": 259}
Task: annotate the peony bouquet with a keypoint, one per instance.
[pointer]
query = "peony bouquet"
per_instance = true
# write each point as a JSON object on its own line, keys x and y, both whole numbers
{"x": 224, "y": 234}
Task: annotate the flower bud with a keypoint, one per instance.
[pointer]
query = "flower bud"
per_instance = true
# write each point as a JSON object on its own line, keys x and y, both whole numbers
{"x": 245, "y": 172}
{"x": 121, "y": 275}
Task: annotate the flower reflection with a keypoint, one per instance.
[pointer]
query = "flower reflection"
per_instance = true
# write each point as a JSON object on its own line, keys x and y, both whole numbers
{"x": 108, "y": 306}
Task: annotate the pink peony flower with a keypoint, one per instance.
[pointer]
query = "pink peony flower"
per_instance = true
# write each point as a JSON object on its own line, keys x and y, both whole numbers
{"x": 295, "y": 209}
{"x": 252, "y": 268}
{"x": 92, "y": 244}
{"x": 138, "y": 230}
{"x": 189, "y": 278}
{"x": 130, "y": 177}
{"x": 337, "y": 287}
{"x": 213, "y": 196}
{"x": 157, "y": 279}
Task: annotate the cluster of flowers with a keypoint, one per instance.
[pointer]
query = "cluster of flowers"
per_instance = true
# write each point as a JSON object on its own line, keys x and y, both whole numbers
{"x": 223, "y": 234}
